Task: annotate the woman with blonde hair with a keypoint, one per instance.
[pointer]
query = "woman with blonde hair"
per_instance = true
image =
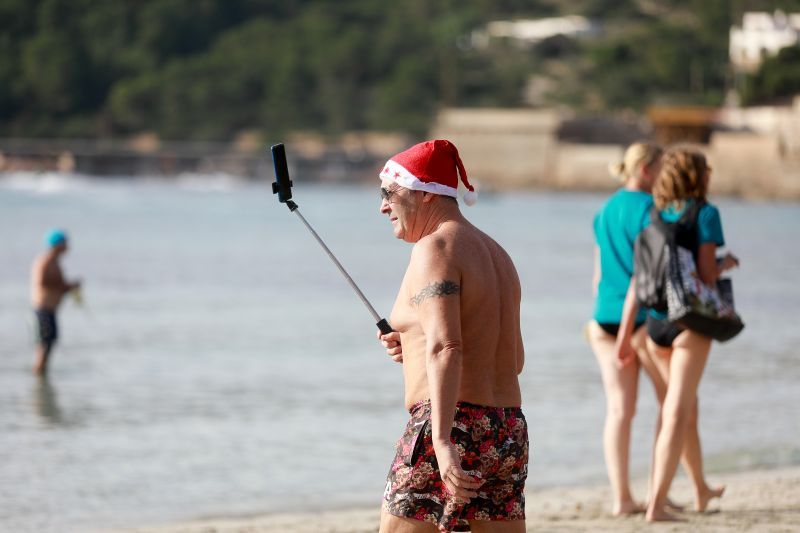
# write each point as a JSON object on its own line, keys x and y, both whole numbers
{"x": 616, "y": 226}
{"x": 676, "y": 358}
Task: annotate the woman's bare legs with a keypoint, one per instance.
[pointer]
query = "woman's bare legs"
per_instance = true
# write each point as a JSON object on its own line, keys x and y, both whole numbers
{"x": 655, "y": 361}
{"x": 687, "y": 362}
{"x": 620, "y": 386}
{"x": 692, "y": 460}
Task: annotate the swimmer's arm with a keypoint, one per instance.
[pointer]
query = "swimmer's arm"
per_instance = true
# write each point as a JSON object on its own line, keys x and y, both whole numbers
{"x": 58, "y": 283}
{"x": 630, "y": 308}
{"x": 38, "y": 277}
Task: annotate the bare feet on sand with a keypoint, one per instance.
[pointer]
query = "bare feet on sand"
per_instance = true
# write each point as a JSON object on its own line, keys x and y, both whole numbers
{"x": 627, "y": 508}
{"x": 702, "y": 498}
{"x": 661, "y": 515}
{"x": 671, "y": 505}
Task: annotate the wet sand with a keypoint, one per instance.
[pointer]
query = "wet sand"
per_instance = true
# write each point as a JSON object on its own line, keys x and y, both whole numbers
{"x": 761, "y": 501}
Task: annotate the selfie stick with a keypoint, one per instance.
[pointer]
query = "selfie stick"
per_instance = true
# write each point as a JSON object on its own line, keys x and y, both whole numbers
{"x": 283, "y": 188}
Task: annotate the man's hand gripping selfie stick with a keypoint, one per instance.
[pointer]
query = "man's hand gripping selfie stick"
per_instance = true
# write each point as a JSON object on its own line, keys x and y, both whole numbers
{"x": 283, "y": 188}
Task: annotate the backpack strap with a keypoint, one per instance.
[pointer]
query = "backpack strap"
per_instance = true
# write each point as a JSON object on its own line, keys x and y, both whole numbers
{"x": 656, "y": 220}
{"x": 689, "y": 217}
{"x": 686, "y": 234}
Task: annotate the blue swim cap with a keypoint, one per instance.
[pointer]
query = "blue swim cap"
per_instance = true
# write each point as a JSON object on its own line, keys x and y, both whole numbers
{"x": 55, "y": 237}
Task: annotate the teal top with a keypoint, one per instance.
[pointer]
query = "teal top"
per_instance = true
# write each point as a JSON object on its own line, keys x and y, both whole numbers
{"x": 616, "y": 226}
{"x": 709, "y": 229}
{"x": 709, "y": 225}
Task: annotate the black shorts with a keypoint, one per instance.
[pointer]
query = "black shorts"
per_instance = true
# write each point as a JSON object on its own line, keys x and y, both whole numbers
{"x": 662, "y": 332}
{"x": 613, "y": 329}
{"x": 47, "y": 327}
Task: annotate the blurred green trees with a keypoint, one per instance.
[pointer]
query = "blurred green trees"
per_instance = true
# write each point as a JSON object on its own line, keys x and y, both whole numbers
{"x": 778, "y": 78}
{"x": 207, "y": 69}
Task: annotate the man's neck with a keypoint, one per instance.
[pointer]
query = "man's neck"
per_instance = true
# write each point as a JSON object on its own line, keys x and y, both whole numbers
{"x": 442, "y": 211}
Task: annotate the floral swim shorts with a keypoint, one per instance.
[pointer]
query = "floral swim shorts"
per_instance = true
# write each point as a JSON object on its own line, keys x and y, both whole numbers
{"x": 492, "y": 443}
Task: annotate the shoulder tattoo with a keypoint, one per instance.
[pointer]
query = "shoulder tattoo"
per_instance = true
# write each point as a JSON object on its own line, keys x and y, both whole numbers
{"x": 436, "y": 288}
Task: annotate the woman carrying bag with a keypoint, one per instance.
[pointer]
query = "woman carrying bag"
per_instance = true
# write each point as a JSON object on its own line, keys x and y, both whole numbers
{"x": 679, "y": 355}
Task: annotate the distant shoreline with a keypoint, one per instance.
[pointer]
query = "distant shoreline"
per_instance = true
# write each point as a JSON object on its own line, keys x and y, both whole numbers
{"x": 557, "y": 165}
{"x": 758, "y": 500}
{"x": 365, "y": 178}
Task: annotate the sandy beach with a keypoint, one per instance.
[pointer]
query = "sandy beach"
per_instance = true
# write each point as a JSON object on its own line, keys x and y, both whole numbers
{"x": 765, "y": 500}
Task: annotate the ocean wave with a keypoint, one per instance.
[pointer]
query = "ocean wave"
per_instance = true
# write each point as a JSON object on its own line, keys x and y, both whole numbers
{"x": 44, "y": 182}
{"x": 59, "y": 182}
{"x": 218, "y": 181}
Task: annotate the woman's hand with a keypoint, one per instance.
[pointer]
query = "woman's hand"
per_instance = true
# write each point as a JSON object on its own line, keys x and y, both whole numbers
{"x": 624, "y": 352}
{"x": 727, "y": 262}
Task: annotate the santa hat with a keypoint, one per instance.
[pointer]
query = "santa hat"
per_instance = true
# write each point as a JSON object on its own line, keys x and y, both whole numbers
{"x": 431, "y": 166}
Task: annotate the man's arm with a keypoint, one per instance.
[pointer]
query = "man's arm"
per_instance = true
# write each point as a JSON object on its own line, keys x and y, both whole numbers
{"x": 38, "y": 273}
{"x": 436, "y": 296}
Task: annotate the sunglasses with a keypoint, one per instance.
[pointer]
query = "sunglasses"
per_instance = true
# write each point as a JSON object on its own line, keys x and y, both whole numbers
{"x": 386, "y": 194}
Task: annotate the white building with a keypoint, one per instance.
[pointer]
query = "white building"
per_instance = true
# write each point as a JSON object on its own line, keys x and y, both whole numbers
{"x": 531, "y": 31}
{"x": 762, "y": 35}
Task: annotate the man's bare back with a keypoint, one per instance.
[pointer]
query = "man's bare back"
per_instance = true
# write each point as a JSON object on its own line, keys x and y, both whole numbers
{"x": 489, "y": 288}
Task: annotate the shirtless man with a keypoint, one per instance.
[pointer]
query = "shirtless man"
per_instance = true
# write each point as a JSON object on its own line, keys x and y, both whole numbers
{"x": 48, "y": 287}
{"x": 463, "y": 459}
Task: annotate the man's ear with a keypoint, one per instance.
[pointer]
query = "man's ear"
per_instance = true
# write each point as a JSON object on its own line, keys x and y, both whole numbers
{"x": 427, "y": 196}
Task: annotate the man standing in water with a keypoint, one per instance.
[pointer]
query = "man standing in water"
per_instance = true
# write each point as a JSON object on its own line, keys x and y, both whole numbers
{"x": 48, "y": 287}
{"x": 463, "y": 458}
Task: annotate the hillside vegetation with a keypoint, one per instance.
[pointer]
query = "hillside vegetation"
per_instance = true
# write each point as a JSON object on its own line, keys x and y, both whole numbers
{"x": 208, "y": 69}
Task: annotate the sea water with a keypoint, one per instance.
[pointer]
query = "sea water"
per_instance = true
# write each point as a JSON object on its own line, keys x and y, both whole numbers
{"x": 220, "y": 364}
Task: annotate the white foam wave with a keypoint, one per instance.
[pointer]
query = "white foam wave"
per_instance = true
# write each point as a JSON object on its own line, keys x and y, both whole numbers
{"x": 43, "y": 182}
{"x": 218, "y": 181}
{"x": 57, "y": 182}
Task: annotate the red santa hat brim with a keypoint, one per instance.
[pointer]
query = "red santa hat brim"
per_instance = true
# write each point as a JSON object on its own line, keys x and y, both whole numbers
{"x": 397, "y": 173}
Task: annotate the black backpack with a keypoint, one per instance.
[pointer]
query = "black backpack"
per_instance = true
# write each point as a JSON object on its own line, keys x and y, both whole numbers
{"x": 651, "y": 253}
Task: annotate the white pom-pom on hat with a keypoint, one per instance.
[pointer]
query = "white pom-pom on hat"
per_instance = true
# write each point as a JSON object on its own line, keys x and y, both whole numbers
{"x": 470, "y": 197}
